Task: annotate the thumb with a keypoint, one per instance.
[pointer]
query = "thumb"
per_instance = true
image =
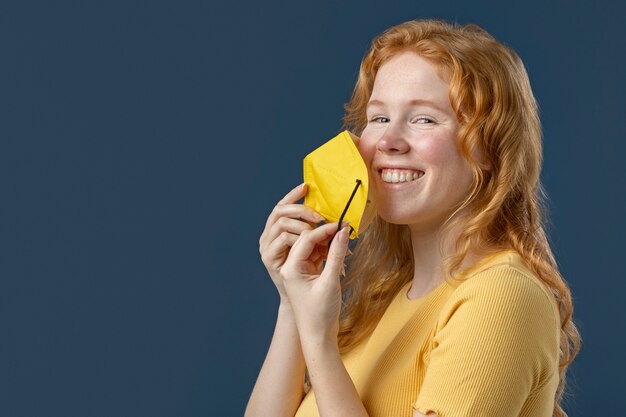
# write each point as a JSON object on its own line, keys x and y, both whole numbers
{"x": 337, "y": 253}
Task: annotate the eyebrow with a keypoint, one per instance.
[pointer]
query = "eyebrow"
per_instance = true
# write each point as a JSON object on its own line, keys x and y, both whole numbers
{"x": 410, "y": 102}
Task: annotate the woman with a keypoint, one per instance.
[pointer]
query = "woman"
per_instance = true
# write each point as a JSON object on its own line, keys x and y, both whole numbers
{"x": 453, "y": 304}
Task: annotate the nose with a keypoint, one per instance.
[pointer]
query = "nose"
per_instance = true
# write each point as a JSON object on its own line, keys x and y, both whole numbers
{"x": 393, "y": 140}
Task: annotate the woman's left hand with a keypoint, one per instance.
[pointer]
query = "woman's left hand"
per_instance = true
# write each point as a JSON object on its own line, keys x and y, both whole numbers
{"x": 314, "y": 289}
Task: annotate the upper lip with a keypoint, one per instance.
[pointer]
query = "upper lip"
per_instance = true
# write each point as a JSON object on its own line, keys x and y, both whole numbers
{"x": 380, "y": 167}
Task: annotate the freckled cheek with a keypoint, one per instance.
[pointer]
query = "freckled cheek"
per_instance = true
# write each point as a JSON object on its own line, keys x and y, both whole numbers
{"x": 436, "y": 151}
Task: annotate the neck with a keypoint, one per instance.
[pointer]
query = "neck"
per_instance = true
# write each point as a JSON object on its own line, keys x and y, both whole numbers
{"x": 430, "y": 248}
{"x": 428, "y": 260}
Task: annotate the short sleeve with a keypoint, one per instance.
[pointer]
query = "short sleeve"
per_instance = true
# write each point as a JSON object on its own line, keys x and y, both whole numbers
{"x": 495, "y": 343}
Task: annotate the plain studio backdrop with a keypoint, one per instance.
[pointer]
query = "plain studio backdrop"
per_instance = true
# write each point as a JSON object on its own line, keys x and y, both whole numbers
{"x": 143, "y": 144}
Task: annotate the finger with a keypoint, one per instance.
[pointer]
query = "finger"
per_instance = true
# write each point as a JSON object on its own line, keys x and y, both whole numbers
{"x": 276, "y": 251}
{"x": 285, "y": 224}
{"x": 294, "y": 195}
{"x": 308, "y": 240}
{"x": 298, "y": 211}
{"x": 337, "y": 254}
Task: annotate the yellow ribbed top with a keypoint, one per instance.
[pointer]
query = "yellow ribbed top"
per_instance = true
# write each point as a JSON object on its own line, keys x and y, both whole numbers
{"x": 488, "y": 348}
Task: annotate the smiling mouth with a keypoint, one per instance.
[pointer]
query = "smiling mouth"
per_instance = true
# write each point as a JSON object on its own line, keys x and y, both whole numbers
{"x": 394, "y": 176}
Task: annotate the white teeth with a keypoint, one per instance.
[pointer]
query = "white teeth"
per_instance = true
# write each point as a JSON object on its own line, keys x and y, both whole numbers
{"x": 395, "y": 176}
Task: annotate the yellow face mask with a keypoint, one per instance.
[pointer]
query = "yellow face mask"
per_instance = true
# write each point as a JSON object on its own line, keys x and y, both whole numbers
{"x": 338, "y": 183}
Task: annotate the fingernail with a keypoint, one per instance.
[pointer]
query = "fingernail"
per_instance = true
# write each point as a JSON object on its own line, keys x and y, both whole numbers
{"x": 319, "y": 217}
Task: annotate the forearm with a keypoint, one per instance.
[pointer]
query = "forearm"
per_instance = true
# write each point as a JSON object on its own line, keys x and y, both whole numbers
{"x": 280, "y": 385}
{"x": 335, "y": 393}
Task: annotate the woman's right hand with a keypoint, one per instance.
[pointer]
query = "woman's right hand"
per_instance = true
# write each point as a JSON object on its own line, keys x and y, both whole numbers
{"x": 283, "y": 227}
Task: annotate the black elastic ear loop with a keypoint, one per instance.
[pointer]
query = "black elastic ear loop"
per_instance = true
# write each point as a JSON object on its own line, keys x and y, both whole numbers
{"x": 358, "y": 182}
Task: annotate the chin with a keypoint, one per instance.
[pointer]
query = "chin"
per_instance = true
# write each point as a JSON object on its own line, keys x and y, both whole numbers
{"x": 397, "y": 218}
{"x": 419, "y": 220}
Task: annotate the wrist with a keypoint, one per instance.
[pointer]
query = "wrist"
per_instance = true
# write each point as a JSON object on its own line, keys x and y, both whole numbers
{"x": 320, "y": 334}
{"x": 323, "y": 342}
{"x": 285, "y": 310}
{"x": 285, "y": 304}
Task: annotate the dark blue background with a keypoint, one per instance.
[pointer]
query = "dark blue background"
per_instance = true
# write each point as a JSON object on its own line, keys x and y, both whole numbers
{"x": 143, "y": 144}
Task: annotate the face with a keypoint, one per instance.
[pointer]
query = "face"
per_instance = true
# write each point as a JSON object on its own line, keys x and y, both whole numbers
{"x": 410, "y": 145}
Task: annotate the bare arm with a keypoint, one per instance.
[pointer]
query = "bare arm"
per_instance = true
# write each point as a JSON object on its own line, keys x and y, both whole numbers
{"x": 280, "y": 385}
{"x": 334, "y": 390}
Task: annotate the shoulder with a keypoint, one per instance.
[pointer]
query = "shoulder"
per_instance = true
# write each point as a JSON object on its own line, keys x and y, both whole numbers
{"x": 501, "y": 319}
{"x": 506, "y": 288}
{"x": 506, "y": 308}
{"x": 504, "y": 281}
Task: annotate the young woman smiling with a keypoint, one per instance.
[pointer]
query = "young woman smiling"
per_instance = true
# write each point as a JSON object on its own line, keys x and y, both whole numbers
{"x": 453, "y": 304}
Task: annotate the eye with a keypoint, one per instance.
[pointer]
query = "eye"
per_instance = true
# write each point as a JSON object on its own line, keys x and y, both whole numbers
{"x": 425, "y": 120}
{"x": 378, "y": 118}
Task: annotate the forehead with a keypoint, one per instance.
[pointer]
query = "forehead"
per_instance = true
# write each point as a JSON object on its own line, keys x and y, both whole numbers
{"x": 407, "y": 76}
